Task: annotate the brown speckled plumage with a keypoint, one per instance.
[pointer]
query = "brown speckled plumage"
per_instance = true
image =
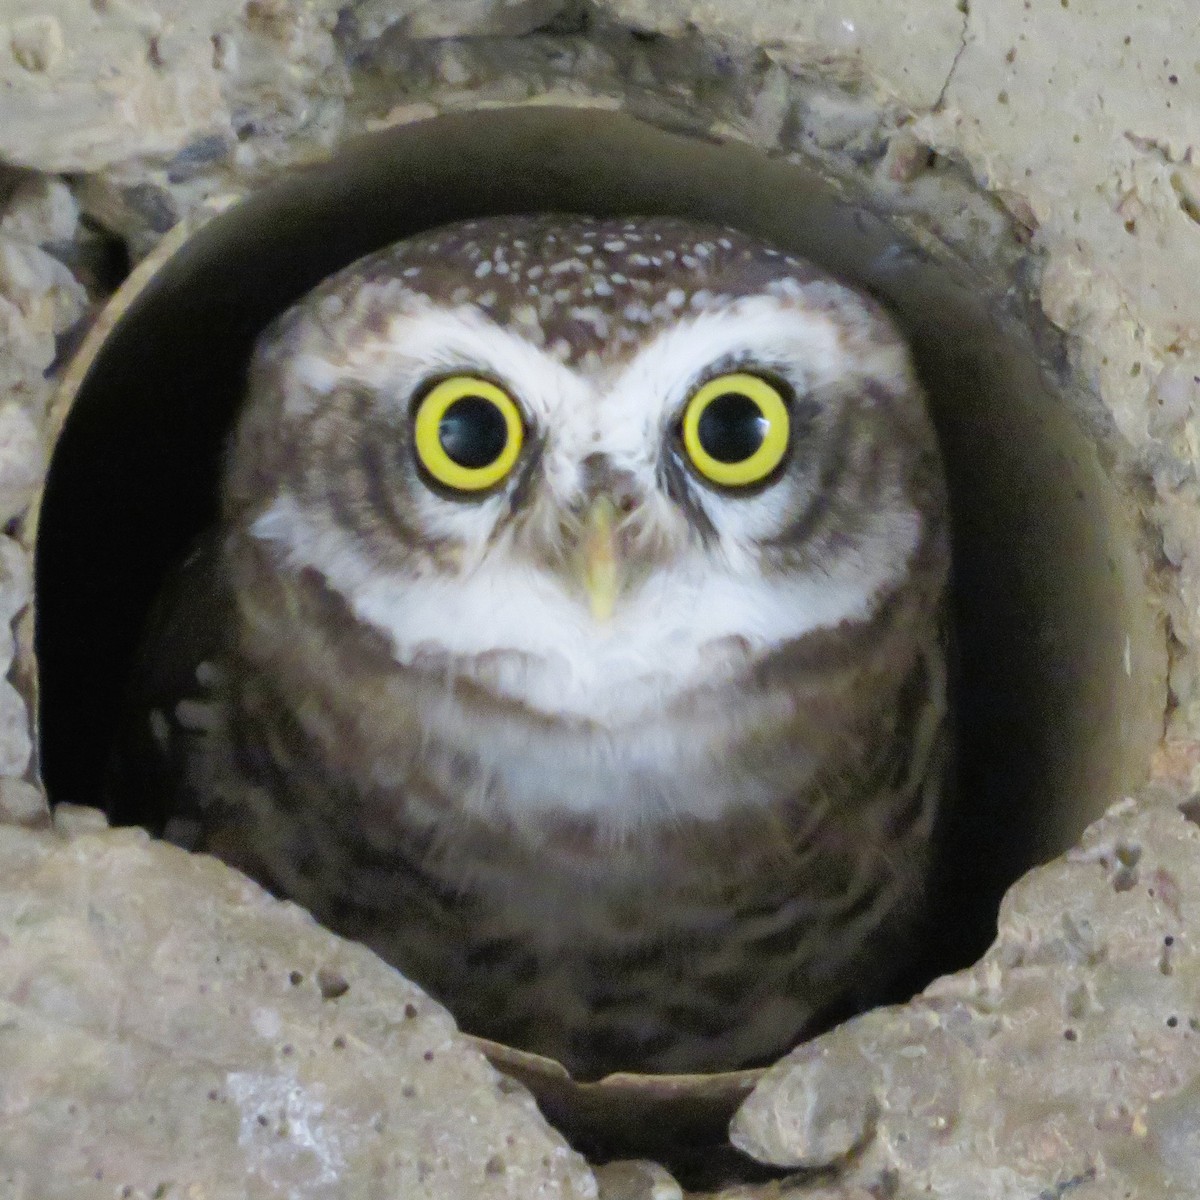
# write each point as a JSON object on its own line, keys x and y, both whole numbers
{"x": 576, "y": 288}
{"x": 375, "y": 782}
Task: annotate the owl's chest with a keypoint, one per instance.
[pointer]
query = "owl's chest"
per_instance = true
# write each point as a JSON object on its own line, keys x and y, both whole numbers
{"x": 560, "y": 825}
{"x": 441, "y": 751}
{"x": 413, "y": 733}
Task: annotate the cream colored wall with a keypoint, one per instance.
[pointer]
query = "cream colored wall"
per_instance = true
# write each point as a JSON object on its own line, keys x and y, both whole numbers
{"x": 1070, "y": 1056}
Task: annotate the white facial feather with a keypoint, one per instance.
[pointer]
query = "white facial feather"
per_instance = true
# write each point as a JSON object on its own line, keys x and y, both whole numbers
{"x": 541, "y": 644}
{"x": 657, "y": 645}
{"x": 519, "y": 632}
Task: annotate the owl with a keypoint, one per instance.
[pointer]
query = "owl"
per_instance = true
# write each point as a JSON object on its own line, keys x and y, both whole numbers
{"x": 573, "y": 636}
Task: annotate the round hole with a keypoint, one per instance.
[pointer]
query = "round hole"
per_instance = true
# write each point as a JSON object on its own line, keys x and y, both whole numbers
{"x": 1061, "y": 691}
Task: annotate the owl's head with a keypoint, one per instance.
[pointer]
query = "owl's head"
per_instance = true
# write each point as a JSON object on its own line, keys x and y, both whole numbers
{"x": 587, "y": 442}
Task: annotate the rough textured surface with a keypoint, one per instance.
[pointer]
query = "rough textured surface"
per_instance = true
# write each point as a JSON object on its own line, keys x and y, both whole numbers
{"x": 1111, "y": 196}
{"x": 160, "y": 107}
{"x": 1068, "y": 1057}
{"x": 41, "y": 300}
{"x": 905, "y": 51}
{"x": 168, "y": 1029}
{"x": 87, "y": 86}
{"x": 636, "y": 1179}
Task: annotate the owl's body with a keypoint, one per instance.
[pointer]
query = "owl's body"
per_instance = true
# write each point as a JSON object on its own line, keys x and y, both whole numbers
{"x": 612, "y": 709}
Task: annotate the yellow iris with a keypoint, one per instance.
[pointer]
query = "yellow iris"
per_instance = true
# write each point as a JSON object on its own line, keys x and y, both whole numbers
{"x": 468, "y": 433}
{"x": 735, "y": 429}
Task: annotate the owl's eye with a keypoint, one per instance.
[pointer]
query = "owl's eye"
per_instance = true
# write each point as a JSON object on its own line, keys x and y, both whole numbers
{"x": 735, "y": 429}
{"x": 468, "y": 433}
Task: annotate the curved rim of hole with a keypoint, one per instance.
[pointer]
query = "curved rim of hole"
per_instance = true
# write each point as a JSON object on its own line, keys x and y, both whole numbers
{"x": 1063, "y": 681}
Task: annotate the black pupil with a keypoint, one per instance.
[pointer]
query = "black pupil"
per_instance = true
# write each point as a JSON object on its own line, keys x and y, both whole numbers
{"x": 473, "y": 432}
{"x": 732, "y": 427}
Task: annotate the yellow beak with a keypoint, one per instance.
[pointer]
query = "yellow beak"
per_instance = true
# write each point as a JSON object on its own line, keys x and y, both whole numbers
{"x": 601, "y": 574}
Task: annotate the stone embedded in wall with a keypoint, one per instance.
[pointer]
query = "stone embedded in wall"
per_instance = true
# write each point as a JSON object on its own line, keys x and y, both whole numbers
{"x": 435, "y": 19}
{"x": 906, "y": 52}
{"x": 39, "y": 209}
{"x": 165, "y": 1025}
{"x": 1069, "y": 1056}
{"x": 155, "y": 75}
{"x": 22, "y": 462}
{"x": 40, "y": 299}
{"x": 40, "y": 302}
{"x": 22, "y": 803}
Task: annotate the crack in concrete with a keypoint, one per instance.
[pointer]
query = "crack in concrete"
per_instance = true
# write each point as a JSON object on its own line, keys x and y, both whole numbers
{"x": 965, "y": 7}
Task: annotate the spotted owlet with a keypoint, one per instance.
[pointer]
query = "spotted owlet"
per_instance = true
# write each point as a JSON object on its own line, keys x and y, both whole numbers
{"x": 572, "y": 636}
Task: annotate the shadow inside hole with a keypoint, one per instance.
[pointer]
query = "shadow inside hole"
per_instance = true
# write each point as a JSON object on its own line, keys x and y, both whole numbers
{"x": 1062, "y": 686}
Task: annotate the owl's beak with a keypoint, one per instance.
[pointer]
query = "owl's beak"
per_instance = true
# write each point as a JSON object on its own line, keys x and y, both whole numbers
{"x": 601, "y": 568}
